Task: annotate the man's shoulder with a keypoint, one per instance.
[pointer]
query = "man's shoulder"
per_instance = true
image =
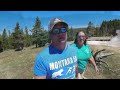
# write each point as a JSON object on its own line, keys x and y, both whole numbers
{"x": 71, "y": 48}
{"x": 73, "y": 44}
{"x": 45, "y": 51}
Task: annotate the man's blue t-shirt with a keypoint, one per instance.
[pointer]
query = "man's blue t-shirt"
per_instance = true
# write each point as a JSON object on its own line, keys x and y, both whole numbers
{"x": 56, "y": 64}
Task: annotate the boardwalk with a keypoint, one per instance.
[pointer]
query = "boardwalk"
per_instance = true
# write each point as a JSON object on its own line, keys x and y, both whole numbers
{"x": 99, "y": 39}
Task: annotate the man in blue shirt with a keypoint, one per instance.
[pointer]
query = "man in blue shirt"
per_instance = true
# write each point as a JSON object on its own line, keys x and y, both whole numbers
{"x": 58, "y": 60}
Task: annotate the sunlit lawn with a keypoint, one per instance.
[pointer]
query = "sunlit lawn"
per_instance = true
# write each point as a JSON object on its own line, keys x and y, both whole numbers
{"x": 18, "y": 65}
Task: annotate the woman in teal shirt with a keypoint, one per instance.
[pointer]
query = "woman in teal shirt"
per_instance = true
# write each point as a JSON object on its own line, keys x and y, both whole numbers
{"x": 83, "y": 53}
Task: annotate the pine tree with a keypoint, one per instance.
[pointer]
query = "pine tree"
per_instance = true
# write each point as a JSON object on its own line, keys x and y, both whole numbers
{"x": 43, "y": 38}
{"x": 70, "y": 34}
{"x": 5, "y": 39}
{"x": 27, "y": 37}
{"x": 97, "y": 30}
{"x": 10, "y": 40}
{"x": 1, "y": 46}
{"x": 90, "y": 29}
{"x": 18, "y": 36}
{"x": 36, "y": 31}
{"x": 0, "y": 37}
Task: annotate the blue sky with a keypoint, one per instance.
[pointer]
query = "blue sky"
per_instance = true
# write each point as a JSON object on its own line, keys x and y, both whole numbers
{"x": 77, "y": 19}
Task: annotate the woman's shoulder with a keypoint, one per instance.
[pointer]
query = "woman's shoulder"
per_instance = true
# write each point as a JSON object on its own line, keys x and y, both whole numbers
{"x": 87, "y": 45}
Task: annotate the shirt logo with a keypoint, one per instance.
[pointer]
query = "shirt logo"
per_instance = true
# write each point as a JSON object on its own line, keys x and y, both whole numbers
{"x": 58, "y": 73}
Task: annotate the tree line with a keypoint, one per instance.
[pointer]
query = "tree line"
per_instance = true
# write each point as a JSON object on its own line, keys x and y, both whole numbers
{"x": 38, "y": 36}
{"x": 20, "y": 38}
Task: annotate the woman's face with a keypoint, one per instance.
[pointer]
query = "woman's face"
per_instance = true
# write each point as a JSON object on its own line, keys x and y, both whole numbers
{"x": 81, "y": 37}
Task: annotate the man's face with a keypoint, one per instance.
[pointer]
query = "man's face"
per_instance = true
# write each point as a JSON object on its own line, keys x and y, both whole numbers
{"x": 59, "y": 33}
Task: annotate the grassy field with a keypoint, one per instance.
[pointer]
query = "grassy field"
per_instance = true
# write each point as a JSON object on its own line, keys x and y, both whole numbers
{"x": 19, "y": 65}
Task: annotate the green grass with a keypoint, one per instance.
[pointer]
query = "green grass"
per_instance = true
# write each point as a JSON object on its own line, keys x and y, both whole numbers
{"x": 18, "y": 65}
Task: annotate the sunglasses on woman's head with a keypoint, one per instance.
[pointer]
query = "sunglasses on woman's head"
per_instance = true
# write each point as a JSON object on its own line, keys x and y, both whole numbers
{"x": 58, "y": 31}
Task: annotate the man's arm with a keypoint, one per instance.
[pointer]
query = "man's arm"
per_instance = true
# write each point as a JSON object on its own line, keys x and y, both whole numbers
{"x": 39, "y": 69}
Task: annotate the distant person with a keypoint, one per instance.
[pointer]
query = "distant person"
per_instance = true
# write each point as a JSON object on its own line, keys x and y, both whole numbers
{"x": 58, "y": 60}
{"x": 83, "y": 53}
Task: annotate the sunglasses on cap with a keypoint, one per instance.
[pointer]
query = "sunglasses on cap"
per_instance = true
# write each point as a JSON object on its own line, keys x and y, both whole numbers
{"x": 58, "y": 31}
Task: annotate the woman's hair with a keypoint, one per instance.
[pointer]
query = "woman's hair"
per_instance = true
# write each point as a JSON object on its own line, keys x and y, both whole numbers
{"x": 76, "y": 38}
